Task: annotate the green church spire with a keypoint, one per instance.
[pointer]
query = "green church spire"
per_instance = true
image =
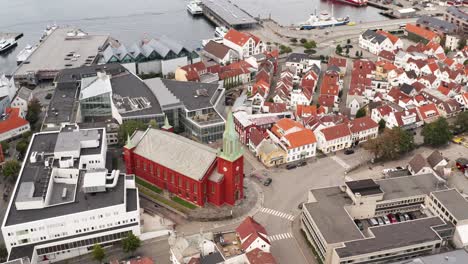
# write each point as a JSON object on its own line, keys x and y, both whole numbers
{"x": 129, "y": 144}
{"x": 166, "y": 125}
{"x": 231, "y": 146}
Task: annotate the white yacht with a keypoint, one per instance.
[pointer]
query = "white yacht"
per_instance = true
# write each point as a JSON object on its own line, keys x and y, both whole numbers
{"x": 194, "y": 7}
{"x": 25, "y": 53}
{"x": 220, "y": 32}
{"x": 6, "y": 44}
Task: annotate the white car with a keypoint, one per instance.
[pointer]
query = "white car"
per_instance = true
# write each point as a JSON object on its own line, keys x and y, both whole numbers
{"x": 386, "y": 220}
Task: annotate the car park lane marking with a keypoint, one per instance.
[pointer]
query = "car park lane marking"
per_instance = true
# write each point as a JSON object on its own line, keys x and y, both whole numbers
{"x": 280, "y": 237}
{"x": 277, "y": 213}
{"x": 340, "y": 161}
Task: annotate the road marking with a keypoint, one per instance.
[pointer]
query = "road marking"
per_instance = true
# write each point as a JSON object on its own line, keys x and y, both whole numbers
{"x": 340, "y": 161}
{"x": 280, "y": 237}
{"x": 277, "y": 213}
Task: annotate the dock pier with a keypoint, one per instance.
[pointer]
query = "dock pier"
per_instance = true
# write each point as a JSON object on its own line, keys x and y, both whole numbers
{"x": 227, "y": 14}
{"x": 16, "y": 36}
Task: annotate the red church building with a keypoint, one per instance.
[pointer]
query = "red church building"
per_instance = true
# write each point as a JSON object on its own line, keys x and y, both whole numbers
{"x": 187, "y": 169}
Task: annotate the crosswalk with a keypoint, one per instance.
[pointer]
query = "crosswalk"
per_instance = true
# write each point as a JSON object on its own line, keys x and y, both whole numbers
{"x": 340, "y": 161}
{"x": 280, "y": 237}
{"x": 277, "y": 213}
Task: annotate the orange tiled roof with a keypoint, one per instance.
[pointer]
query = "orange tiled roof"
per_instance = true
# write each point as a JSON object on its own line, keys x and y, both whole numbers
{"x": 12, "y": 120}
{"x": 424, "y": 33}
{"x": 300, "y": 138}
{"x": 391, "y": 37}
{"x": 237, "y": 37}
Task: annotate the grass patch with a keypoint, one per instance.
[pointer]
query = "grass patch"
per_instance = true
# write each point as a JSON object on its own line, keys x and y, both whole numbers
{"x": 148, "y": 185}
{"x": 319, "y": 260}
{"x": 162, "y": 200}
{"x": 183, "y": 202}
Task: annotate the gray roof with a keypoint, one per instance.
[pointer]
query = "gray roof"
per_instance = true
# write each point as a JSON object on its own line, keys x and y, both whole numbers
{"x": 24, "y": 93}
{"x": 417, "y": 163}
{"x": 364, "y": 187}
{"x": 229, "y": 12}
{"x": 435, "y": 158}
{"x": 459, "y": 256}
{"x": 178, "y": 153}
{"x": 454, "y": 202}
{"x": 53, "y": 51}
{"x": 436, "y": 23}
{"x": 165, "y": 97}
{"x": 407, "y": 88}
{"x": 297, "y": 57}
{"x": 393, "y": 236}
{"x": 331, "y": 218}
{"x": 407, "y": 186}
{"x": 36, "y": 172}
{"x": 373, "y": 36}
{"x": 455, "y": 11}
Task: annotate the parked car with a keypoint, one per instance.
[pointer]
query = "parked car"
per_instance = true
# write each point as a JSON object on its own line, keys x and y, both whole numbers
{"x": 400, "y": 217}
{"x": 373, "y": 222}
{"x": 301, "y": 163}
{"x": 392, "y": 218}
{"x": 291, "y": 166}
{"x": 267, "y": 182}
{"x": 380, "y": 220}
{"x": 359, "y": 224}
{"x": 462, "y": 164}
{"x": 386, "y": 220}
{"x": 348, "y": 151}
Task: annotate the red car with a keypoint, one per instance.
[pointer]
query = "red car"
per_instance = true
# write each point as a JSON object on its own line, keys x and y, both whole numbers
{"x": 392, "y": 218}
{"x": 462, "y": 164}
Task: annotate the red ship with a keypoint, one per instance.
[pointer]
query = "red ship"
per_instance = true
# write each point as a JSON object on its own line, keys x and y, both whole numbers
{"x": 354, "y": 2}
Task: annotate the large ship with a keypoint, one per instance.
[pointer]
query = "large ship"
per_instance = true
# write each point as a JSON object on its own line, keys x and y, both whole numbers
{"x": 354, "y": 2}
{"x": 323, "y": 20}
{"x": 6, "y": 44}
{"x": 194, "y": 7}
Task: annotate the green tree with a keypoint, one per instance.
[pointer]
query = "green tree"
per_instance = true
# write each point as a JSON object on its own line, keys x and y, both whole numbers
{"x": 310, "y": 45}
{"x": 285, "y": 49}
{"x": 5, "y": 146}
{"x": 339, "y": 49}
{"x": 348, "y": 41}
{"x": 461, "y": 43}
{"x": 461, "y": 122}
{"x": 303, "y": 40}
{"x": 153, "y": 123}
{"x": 357, "y": 53}
{"x": 437, "y": 133}
{"x": 34, "y": 109}
{"x": 361, "y": 113}
{"x": 293, "y": 40}
{"x": 127, "y": 129}
{"x": 11, "y": 169}
{"x": 130, "y": 243}
{"x": 98, "y": 253}
{"x": 271, "y": 100}
{"x": 390, "y": 144}
{"x": 3, "y": 252}
{"x": 347, "y": 51}
{"x": 382, "y": 125}
{"x": 22, "y": 146}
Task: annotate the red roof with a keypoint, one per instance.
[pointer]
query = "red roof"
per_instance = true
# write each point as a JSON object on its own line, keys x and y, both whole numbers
{"x": 387, "y": 55}
{"x": 339, "y": 62}
{"x": 424, "y": 33}
{"x": 427, "y": 109}
{"x": 256, "y": 136}
{"x": 385, "y": 110}
{"x": 251, "y": 230}
{"x": 257, "y": 256}
{"x": 334, "y": 132}
{"x": 144, "y": 260}
{"x": 285, "y": 124}
{"x": 362, "y": 124}
{"x": 12, "y": 120}
{"x": 326, "y": 100}
{"x": 391, "y": 37}
{"x": 275, "y": 107}
{"x": 306, "y": 110}
{"x": 300, "y": 138}
{"x": 330, "y": 84}
{"x": 239, "y": 38}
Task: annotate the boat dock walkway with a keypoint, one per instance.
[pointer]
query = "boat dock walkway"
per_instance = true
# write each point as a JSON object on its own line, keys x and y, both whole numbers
{"x": 16, "y": 36}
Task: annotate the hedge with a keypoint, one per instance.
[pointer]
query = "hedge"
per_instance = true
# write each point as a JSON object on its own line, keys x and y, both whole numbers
{"x": 183, "y": 202}
{"x": 148, "y": 185}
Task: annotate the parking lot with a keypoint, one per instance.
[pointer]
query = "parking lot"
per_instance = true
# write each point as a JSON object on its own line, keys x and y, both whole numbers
{"x": 364, "y": 224}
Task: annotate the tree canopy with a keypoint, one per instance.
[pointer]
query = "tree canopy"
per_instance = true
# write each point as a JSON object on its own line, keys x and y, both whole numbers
{"x": 3, "y": 252}
{"x": 127, "y": 129}
{"x": 391, "y": 144}
{"x": 382, "y": 125}
{"x": 437, "y": 133}
{"x": 131, "y": 243}
{"x": 461, "y": 123}
{"x": 361, "y": 113}
{"x": 98, "y": 253}
{"x": 11, "y": 169}
{"x": 34, "y": 109}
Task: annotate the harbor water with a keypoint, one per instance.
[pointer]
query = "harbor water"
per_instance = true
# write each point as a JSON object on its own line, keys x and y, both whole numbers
{"x": 130, "y": 21}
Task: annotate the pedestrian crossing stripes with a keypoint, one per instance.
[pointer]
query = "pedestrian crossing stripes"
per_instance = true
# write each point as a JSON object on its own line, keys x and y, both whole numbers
{"x": 280, "y": 237}
{"x": 277, "y": 213}
{"x": 340, "y": 161}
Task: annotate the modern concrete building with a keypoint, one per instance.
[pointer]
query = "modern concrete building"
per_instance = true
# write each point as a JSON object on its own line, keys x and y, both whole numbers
{"x": 459, "y": 17}
{"x": 328, "y": 219}
{"x": 66, "y": 200}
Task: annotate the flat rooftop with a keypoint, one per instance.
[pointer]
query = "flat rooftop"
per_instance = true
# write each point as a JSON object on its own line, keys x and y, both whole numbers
{"x": 364, "y": 187}
{"x": 393, "y": 236}
{"x": 454, "y": 202}
{"x": 331, "y": 218}
{"x": 62, "y": 105}
{"x": 406, "y": 186}
{"x": 40, "y": 175}
{"x": 63, "y": 49}
{"x": 229, "y": 12}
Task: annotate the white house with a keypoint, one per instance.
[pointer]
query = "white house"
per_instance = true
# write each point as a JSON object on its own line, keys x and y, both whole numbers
{"x": 22, "y": 99}
{"x": 363, "y": 129}
{"x": 301, "y": 62}
{"x": 334, "y": 138}
{"x": 245, "y": 44}
{"x": 377, "y": 41}
{"x": 419, "y": 165}
{"x": 252, "y": 235}
{"x": 61, "y": 210}
{"x": 407, "y": 119}
{"x": 298, "y": 141}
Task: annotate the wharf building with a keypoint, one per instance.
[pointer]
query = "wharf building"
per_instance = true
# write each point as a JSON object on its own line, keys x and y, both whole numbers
{"x": 328, "y": 219}
{"x": 109, "y": 95}
{"x": 187, "y": 169}
{"x": 67, "y": 198}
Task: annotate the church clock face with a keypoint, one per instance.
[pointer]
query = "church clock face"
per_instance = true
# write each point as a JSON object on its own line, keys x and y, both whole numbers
{"x": 224, "y": 169}
{"x": 237, "y": 168}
